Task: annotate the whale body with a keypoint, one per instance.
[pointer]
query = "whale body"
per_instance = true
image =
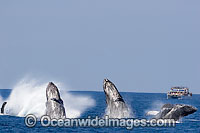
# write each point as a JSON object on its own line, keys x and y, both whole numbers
{"x": 116, "y": 107}
{"x": 175, "y": 111}
{"x": 54, "y": 105}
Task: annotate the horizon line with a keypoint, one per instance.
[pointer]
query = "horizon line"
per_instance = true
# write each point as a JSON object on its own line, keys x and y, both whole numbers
{"x": 119, "y": 91}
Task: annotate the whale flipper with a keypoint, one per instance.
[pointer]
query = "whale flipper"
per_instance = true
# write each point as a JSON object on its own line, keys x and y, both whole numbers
{"x": 2, "y": 107}
{"x": 175, "y": 111}
{"x": 54, "y": 105}
{"x": 116, "y": 107}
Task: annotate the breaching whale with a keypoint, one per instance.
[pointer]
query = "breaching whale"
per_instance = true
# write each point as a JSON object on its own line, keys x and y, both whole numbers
{"x": 116, "y": 107}
{"x": 2, "y": 107}
{"x": 175, "y": 111}
{"x": 54, "y": 105}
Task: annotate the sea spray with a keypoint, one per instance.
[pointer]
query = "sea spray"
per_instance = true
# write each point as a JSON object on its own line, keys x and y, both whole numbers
{"x": 154, "y": 109}
{"x": 76, "y": 105}
{"x": 1, "y": 100}
{"x": 29, "y": 97}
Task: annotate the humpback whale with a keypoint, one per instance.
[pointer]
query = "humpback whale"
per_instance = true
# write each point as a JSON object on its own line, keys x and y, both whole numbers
{"x": 116, "y": 107}
{"x": 175, "y": 111}
{"x": 2, "y": 107}
{"x": 54, "y": 105}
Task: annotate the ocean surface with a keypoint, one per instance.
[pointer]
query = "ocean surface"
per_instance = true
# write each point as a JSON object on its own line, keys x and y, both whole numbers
{"x": 140, "y": 103}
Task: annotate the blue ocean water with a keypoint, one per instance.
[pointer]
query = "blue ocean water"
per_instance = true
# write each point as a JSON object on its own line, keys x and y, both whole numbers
{"x": 140, "y": 103}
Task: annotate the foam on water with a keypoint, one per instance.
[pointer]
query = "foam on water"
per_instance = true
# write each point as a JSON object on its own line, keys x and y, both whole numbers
{"x": 29, "y": 97}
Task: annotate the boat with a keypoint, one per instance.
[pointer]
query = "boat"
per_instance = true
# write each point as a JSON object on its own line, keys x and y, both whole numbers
{"x": 178, "y": 92}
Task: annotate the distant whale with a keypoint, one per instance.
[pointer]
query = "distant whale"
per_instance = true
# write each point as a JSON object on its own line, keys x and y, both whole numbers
{"x": 175, "y": 111}
{"x": 54, "y": 105}
{"x": 116, "y": 107}
{"x": 3, "y": 107}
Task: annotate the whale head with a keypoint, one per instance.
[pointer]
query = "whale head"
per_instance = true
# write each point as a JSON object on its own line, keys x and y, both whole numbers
{"x": 52, "y": 92}
{"x": 111, "y": 91}
{"x": 188, "y": 109}
{"x": 175, "y": 111}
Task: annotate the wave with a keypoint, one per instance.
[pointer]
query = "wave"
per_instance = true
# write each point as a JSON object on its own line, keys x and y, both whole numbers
{"x": 29, "y": 97}
{"x": 191, "y": 120}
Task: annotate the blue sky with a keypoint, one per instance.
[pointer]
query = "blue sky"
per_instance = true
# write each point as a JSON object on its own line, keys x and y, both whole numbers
{"x": 142, "y": 46}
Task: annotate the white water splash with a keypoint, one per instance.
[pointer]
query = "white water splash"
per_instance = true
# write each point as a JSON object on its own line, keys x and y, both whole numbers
{"x": 152, "y": 112}
{"x": 75, "y": 105}
{"x": 155, "y": 108}
{"x": 29, "y": 97}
